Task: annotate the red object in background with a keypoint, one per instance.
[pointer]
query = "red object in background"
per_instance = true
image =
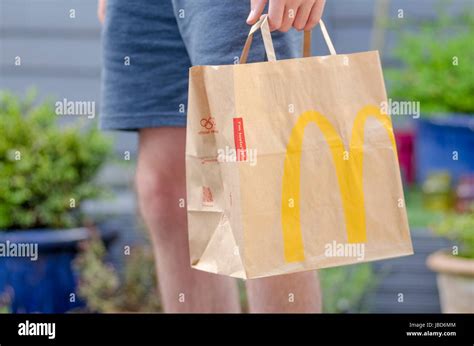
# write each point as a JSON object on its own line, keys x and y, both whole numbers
{"x": 465, "y": 193}
{"x": 405, "y": 148}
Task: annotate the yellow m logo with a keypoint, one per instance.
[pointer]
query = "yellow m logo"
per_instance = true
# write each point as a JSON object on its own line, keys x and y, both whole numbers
{"x": 348, "y": 165}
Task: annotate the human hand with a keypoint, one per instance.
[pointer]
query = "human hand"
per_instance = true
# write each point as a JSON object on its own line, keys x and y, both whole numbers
{"x": 101, "y": 5}
{"x": 284, "y": 14}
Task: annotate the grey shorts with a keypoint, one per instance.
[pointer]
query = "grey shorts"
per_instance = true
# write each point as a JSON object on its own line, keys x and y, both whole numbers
{"x": 149, "y": 45}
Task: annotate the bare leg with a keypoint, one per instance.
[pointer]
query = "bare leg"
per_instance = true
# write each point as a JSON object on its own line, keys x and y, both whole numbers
{"x": 161, "y": 184}
{"x": 297, "y": 292}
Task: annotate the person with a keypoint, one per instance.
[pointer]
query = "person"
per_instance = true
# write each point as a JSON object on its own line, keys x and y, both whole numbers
{"x": 148, "y": 47}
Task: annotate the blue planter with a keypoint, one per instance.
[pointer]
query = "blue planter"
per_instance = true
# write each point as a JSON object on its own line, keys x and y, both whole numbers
{"x": 46, "y": 284}
{"x": 436, "y": 141}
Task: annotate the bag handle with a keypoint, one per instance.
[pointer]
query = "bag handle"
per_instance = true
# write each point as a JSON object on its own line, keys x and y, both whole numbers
{"x": 262, "y": 24}
{"x": 327, "y": 39}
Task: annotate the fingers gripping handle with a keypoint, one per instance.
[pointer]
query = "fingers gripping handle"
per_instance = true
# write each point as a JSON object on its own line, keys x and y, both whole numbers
{"x": 262, "y": 24}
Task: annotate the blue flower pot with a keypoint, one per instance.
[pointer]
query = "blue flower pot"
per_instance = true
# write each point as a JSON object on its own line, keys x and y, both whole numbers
{"x": 439, "y": 140}
{"x": 47, "y": 284}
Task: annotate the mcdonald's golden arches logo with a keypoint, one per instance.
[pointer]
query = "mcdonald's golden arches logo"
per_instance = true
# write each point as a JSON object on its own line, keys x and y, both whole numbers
{"x": 349, "y": 176}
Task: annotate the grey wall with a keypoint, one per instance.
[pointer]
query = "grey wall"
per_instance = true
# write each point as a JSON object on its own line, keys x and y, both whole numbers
{"x": 60, "y": 55}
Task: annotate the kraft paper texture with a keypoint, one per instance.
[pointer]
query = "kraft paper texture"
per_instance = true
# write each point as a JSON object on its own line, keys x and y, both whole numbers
{"x": 326, "y": 172}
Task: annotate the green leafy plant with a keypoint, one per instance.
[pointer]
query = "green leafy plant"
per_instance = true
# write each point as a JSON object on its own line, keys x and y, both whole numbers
{"x": 105, "y": 290}
{"x": 344, "y": 288}
{"x": 45, "y": 170}
{"x": 460, "y": 229}
{"x": 437, "y": 65}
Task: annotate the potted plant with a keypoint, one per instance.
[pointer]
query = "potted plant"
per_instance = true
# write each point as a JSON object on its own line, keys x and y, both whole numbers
{"x": 46, "y": 171}
{"x": 105, "y": 290}
{"x": 455, "y": 268}
{"x": 437, "y": 72}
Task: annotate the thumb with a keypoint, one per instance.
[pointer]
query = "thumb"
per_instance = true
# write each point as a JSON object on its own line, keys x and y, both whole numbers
{"x": 256, "y": 10}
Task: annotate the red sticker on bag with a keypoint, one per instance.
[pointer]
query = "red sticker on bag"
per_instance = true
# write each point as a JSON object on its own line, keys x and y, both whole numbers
{"x": 239, "y": 139}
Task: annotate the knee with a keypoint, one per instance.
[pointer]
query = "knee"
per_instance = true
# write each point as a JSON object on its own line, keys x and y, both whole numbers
{"x": 159, "y": 192}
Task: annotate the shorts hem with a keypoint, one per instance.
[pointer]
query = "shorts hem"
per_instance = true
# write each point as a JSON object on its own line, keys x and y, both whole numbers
{"x": 137, "y": 122}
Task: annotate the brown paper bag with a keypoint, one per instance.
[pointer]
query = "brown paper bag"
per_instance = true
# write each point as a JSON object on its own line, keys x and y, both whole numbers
{"x": 291, "y": 165}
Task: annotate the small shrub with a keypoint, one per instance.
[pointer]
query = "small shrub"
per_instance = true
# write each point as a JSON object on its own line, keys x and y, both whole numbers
{"x": 45, "y": 169}
{"x": 437, "y": 65}
{"x": 104, "y": 290}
